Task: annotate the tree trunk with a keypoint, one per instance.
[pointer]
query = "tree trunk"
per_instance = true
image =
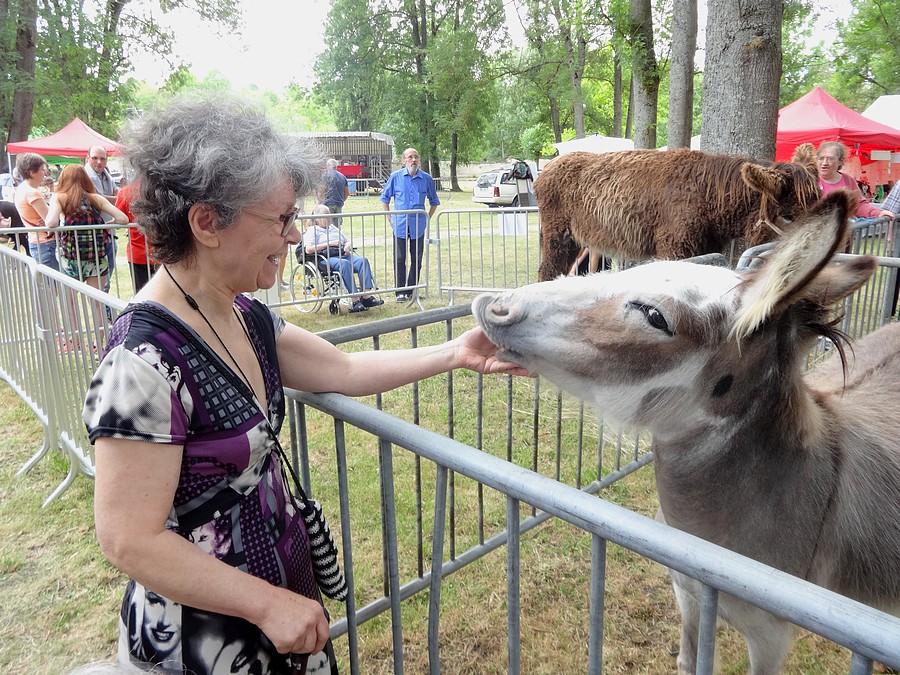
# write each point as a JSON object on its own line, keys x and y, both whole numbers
{"x": 576, "y": 48}
{"x": 554, "y": 120}
{"x": 454, "y": 152}
{"x": 109, "y": 56}
{"x": 681, "y": 73}
{"x": 629, "y": 118}
{"x": 644, "y": 74}
{"x": 617, "y": 94}
{"x": 23, "y": 98}
{"x": 743, "y": 54}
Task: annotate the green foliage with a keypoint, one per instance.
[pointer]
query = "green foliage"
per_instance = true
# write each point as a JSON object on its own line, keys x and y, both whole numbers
{"x": 537, "y": 141}
{"x": 804, "y": 65}
{"x": 352, "y": 73}
{"x": 868, "y": 53}
{"x": 419, "y": 71}
{"x": 81, "y": 55}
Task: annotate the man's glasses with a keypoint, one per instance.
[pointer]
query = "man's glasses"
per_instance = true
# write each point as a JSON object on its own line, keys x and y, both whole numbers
{"x": 286, "y": 219}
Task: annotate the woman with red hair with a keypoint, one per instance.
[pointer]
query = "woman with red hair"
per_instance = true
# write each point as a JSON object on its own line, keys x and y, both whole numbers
{"x": 82, "y": 252}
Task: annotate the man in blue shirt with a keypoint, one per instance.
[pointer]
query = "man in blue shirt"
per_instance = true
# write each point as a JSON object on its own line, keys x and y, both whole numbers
{"x": 409, "y": 187}
{"x": 333, "y": 190}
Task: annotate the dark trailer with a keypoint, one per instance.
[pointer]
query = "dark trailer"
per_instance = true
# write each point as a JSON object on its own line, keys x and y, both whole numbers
{"x": 364, "y": 157}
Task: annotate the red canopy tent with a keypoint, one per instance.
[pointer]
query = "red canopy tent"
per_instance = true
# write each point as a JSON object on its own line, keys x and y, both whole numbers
{"x": 817, "y": 117}
{"x": 73, "y": 140}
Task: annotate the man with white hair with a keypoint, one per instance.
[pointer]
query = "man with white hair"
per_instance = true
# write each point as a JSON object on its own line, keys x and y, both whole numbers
{"x": 334, "y": 189}
{"x": 106, "y": 186}
{"x": 99, "y": 174}
{"x": 409, "y": 187}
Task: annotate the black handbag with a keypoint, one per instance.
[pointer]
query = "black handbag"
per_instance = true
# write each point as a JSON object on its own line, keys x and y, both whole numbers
{"x": 323, "y": 552}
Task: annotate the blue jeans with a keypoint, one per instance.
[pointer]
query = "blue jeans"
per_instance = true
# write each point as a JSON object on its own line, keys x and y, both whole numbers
{"x": 45, "y": 253}
{"x": 111, "y": 256}
{"x": 350, "y": 264}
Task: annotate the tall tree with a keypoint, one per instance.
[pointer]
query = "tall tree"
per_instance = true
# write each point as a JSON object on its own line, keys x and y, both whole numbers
{"x": 543, "y": 62}
{"x": 82, "y": 50}
{"x": 804, "y": 64}
{"x": 644, "y": 74}
{"x": 18, "y": 44}
{"x": 681, "y": 73}
{"x": 743, "y": 55}
{"x": 352, "y": 71}
{"x": 573, "y": 29}
{"x": 462, "y": 77}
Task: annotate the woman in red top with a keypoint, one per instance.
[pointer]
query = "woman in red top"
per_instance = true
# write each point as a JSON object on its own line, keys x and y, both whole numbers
{"x": 830, "y": 158}
{"x": 139, "y": 260}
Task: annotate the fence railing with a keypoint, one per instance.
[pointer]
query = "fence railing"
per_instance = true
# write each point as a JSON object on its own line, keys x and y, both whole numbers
{"x": 495, "y": 445}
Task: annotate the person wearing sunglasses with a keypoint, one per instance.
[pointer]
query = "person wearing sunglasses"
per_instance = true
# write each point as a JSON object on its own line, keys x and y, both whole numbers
{"x": 187, "y": 403}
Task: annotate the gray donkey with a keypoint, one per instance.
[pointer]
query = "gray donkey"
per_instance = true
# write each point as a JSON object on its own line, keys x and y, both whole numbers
{"x": 801, "y": 472}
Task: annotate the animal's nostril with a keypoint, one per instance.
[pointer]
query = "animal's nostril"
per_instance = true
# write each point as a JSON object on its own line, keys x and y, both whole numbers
{"x": 506, "y": 313}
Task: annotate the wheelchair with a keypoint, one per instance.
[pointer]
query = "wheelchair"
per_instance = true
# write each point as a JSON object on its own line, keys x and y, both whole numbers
{"x": 313, "y": 281}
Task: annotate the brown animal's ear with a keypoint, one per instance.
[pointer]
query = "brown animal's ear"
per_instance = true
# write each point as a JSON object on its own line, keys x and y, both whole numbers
{"x": 763, "y": 179}
{"x": 790, "y": 272}
{"x": 804, "y": 154}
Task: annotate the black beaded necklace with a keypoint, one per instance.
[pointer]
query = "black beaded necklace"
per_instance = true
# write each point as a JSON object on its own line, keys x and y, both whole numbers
{"x": 196, "y": 307}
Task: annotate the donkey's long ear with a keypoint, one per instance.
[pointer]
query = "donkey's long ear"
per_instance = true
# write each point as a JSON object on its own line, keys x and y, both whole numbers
{"x": 794, "y": 263}
{"x": 766, "y": 180}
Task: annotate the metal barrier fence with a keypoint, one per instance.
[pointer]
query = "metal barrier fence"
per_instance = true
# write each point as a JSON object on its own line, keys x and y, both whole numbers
{"x": 537, "y": 480}
{"x": 550, "y": 454}
{"x": 369, "y": 232}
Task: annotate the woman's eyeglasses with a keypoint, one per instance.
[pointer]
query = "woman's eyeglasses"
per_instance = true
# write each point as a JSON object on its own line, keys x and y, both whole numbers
{"x": 286, "y": 219}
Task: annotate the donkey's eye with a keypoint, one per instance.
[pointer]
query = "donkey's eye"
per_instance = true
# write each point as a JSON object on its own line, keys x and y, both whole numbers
{"x": 654, "y": 317}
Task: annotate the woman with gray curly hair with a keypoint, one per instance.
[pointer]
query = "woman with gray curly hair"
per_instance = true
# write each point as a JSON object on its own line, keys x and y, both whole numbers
{"x": 191, "y": 499}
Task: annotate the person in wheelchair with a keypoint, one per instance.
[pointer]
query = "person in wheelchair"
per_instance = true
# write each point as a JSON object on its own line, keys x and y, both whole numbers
{"x": 323, "y": 238}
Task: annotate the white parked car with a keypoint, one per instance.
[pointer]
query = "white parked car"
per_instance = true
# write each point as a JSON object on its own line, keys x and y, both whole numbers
{"x": 498, "y": 188}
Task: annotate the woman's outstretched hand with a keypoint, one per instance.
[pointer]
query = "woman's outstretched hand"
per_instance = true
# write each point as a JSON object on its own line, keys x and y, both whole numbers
{"x": 476, "y": 352}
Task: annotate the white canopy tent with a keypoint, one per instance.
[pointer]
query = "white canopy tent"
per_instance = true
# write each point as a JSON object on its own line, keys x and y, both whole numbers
{"x": 595, "y": 143}
{"x": 695, "y": 143}
{"x": 885, "y": 109}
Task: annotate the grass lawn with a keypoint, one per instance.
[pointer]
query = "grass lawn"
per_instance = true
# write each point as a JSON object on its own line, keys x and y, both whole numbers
{"x": 59, "y": 598}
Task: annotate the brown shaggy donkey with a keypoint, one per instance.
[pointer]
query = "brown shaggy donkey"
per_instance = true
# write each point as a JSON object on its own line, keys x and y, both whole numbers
{"x": 674, "y": 204}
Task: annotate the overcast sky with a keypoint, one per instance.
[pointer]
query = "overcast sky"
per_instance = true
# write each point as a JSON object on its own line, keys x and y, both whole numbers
{"x": 281, "y": 39}
{"x": 279, "y": 42}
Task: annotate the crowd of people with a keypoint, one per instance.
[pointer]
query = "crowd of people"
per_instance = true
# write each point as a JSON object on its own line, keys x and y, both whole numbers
{"x": 82, "y": 198}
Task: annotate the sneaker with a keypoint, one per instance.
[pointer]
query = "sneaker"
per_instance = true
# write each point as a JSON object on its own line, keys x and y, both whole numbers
{"x": 285, "y": 286}
{"x": 402, "y": 297}
{"x": 357, "y": 306}
{"x": 372, "y": 301}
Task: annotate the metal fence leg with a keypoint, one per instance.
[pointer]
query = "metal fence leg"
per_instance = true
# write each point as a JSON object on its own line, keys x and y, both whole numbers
{"x": 598, "y": 596}
{"x": 706, "y": 642}
{"x": 437, "y": 564}
{"x": 513, "y": 603}
{"x": 389, "y": 505}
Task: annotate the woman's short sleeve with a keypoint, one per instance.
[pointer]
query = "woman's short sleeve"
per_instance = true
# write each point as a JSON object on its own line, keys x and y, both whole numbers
{"x": 137, "y": 395}
{"x": 278, "y": 323}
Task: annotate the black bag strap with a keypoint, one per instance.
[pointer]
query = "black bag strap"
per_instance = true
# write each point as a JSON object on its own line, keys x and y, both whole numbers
{"x": 323, "y": 553}
{"x": 233, "y": 380}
